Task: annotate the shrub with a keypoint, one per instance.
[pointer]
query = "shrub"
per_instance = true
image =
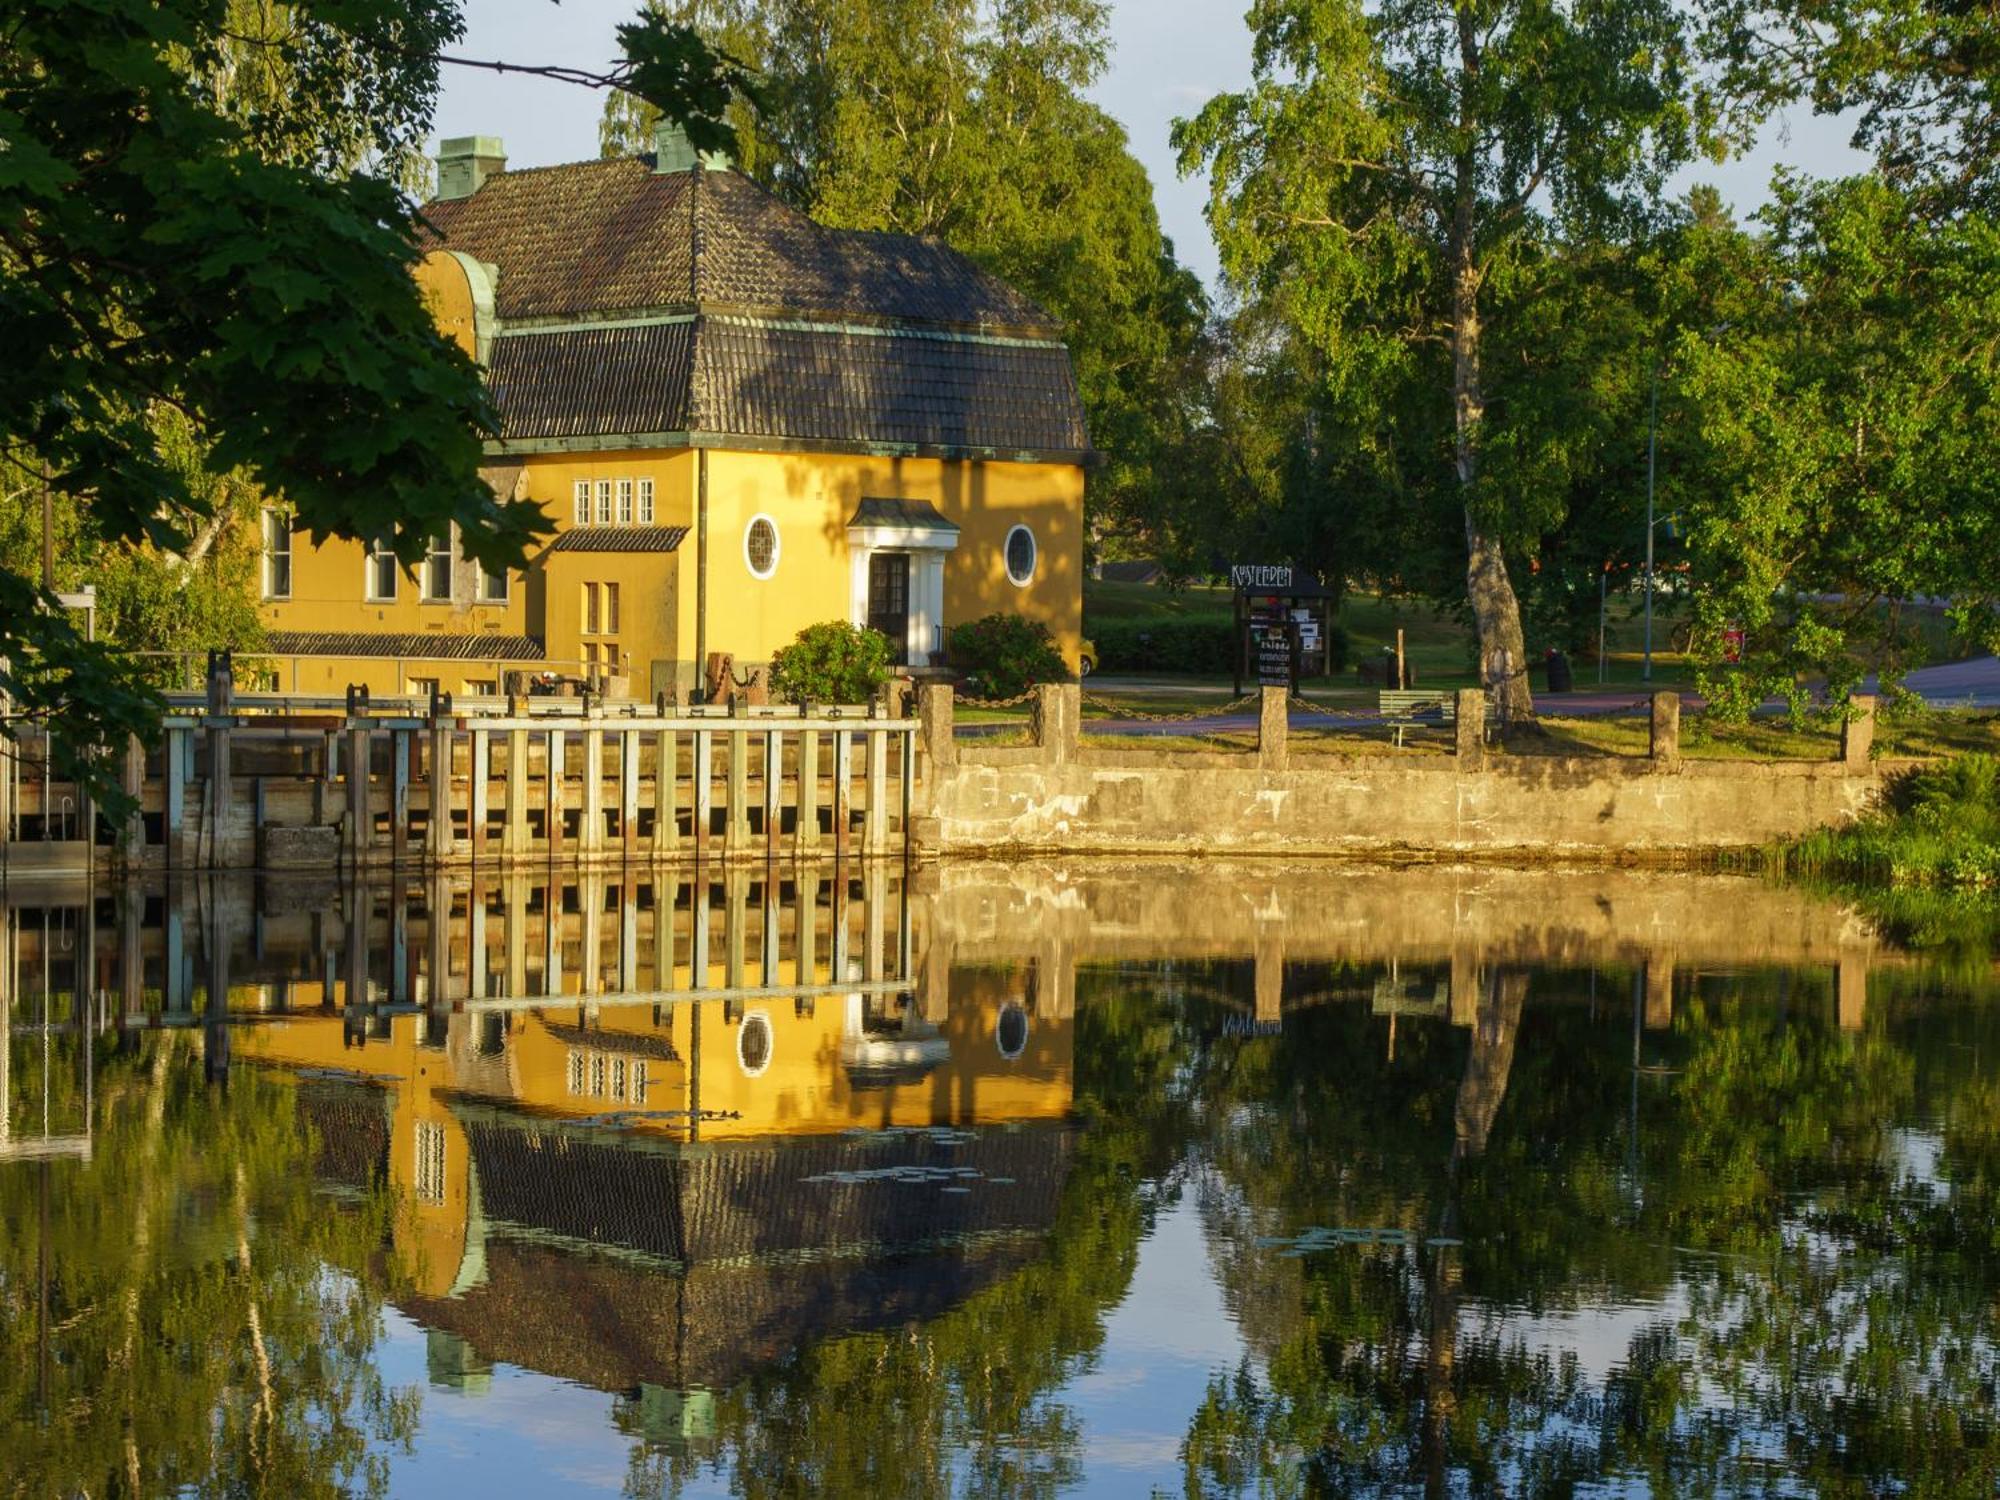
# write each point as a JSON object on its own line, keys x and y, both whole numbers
{"x": 1004, "y": 654}
{"x": 1206, "y": 646}
{"x": 834, "y": 662}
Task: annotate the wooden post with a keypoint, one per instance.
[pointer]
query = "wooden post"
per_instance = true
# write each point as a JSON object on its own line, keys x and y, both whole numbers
{"x": 838, "y": 804}
{"x": 360, "y": 813}
{"x": 875, "y": 829}
{"x": 735, "y": 934}
{"x": 175, "y": 797}
{"x": 698, "y": 936}
{"x": 592, "y": 830}
{"x": 664, "y": 890}
{"x": 132, "y": 780}
{"x": 552, "y": 936}
{"x": 628, "y": 793}
{"x": 736, "y": 816}
{"x": 805, "y": 930}
{"x": 1402, "y": 670}
{"x": 554, "y": 793}
{"x": 805, "y": 828}
{"x": 591, "y": 890}
{"x": 666, "y": 776}
{"x": 704, "y": 791}
{"x": 482, "y": 774}
{"x": 399, "y": 796}
{"x": 1273, "y": 728}
{"x": 221, "y": 793}
{"x": 774, "y": 790}
{"x": 514, "y": 833}
{"x": 516, "y": 895}
{"x": 437, "y": 830}
{"x": 837, "y": 921}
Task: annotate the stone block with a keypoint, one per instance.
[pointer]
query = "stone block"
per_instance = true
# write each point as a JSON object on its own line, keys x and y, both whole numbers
{"x": 298, "y": 848}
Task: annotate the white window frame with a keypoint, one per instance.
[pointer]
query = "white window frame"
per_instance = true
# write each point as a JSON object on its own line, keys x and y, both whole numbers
{"x": 777, "y": 545}
{"x": 494, "y": 588}
{"x": 380, "y": 552}
{"x": 603, "y": 502}
{"x": 1034, "y": 554}
{"x": 645, "y": 502}
{"x": 439, "y": 552}
{"x": 581, "y": 515}
{"x": 624, "y": 502}
{"x": 271, "y": 554}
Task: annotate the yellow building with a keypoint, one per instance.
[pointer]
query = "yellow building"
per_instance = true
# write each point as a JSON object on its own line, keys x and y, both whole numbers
{"x": 738, "y": 422}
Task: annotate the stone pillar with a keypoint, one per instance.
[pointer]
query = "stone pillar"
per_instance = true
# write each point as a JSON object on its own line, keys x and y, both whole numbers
{"x": 1273, "y": 724}
{"x": 1857, "y": 734}
{"x": 1470, "y": 725}
{"x": 1659, "y": 1014}
{"x": 935, "y": 724}
{"x": 1666, "y": 740}
{"x": 1056, "y": 707}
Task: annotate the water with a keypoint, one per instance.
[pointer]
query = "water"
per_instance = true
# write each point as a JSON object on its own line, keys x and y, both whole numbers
{"x": 1001, "y": 1180}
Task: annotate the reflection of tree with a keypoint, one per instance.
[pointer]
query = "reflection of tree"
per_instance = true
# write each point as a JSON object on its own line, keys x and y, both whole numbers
{"x": 202, "y": 1332}
{"x": 1834, "y": 1322}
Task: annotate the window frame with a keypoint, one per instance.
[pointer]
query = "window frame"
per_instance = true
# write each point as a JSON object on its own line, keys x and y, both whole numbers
{"x": 381, "y": 553}
{"x": 604, "y": 502}
{"x": 271, "y": 555}
{"x": 1021, "y": 528}
{"x": 495, "y": 588}
{"x": 610, "y": 617}
{"x": 624, "y": 502}
{"x": 646, "y": 511}
{"x": 439, "y": 552}
{"x": 580, "y": 514}
{"x": 590, "y": 608}
{"x": 777, "y": 546}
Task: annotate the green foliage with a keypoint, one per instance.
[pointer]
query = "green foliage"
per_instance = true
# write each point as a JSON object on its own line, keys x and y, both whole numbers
{"x": 970, "y": 122}
{"x": 1167, "y": 644}
{"x": 187, "y": 231}
{"x": 832, "y": 662}
{"x": 1942, "y": 829}
{"x": 1003, "y": 654}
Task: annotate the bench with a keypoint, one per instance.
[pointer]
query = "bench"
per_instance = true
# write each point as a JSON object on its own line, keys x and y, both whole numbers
{"x": 1400, "y": 708}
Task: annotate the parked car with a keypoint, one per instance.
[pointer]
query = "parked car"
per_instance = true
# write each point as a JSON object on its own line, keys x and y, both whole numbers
{"x": 1086, "y": 658}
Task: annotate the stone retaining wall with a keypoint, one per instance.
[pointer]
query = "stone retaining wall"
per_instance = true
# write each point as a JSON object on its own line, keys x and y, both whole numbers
{"x": 1056, "y": 796}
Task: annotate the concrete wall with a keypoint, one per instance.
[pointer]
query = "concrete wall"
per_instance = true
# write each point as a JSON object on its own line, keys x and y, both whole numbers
{"x": 1060, "y": 797}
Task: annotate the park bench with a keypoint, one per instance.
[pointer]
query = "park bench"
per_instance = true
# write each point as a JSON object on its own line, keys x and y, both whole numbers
{"x": 1401, "y": 709}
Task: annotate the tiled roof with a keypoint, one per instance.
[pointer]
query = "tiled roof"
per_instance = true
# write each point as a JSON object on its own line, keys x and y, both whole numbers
{"x": 633, "y": 303}
{"x": 620, "y": 539}
{"x": 633, "y": 1043}
{"x": 879, "y": 510}
{"x": 422, "y": 643}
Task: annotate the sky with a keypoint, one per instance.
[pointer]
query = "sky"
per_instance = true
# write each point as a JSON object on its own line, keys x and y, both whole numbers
{"x": 1168, "y": 58}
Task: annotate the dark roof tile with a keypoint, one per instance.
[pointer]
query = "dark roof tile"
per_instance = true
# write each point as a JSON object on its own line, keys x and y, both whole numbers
{"x": 418, "y": 643}
{"x": 620, "y": 539}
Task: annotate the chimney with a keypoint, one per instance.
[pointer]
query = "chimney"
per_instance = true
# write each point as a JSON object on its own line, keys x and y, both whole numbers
{"x": 466, "y": 161}
{"x": 674, "y": 152}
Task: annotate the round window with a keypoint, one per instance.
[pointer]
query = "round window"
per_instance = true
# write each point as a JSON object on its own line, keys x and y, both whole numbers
{"x": 1010, "y": 1033}
{"x": 760, "y": 546}
{"x": 753, "y": 1043}
{"x": 1021, "y": 556}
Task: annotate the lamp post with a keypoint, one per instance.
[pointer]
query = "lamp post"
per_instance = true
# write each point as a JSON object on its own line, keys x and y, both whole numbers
{"x": 1652, "y": 439}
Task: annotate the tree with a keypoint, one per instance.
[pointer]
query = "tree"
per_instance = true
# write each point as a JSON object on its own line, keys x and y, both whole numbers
{"x": 966, "y": 120}
{"x": 1388, "y": 171}
{"x": 173, "y": 238}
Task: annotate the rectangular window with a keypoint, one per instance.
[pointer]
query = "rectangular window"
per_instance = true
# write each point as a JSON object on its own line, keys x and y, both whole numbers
{"x": 383, "y": 570}
{"x": 645, "y": 502}
{"x": 624, "y": 502}
{"x": 590, "y": 658}
{"x": 430, "y": 1162}
{"x": 597, "y": 1074}
{"x": 493, "y": 587}
{"x": 618, "y": 1078}
{"x": 603, "y": 502}
{"x": 582, "y": 515}
{"x": 611, "y": 609}
{"x": 639, "y": 1081}
{"x": 437, "y": 569}
{"x": 575, "y": 1072}
{"x": 277, "y": 554}
{"x": 590, "y": 616}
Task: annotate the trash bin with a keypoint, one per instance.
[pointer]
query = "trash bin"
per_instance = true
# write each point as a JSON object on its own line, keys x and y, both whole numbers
{"x": 1556, "y": 665}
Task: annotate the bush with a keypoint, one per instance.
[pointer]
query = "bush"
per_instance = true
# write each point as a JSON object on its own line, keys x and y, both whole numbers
{"x": 1004, "y": 654}
{"x": 834, "y": 662}
{"x": 1198, "y": 646}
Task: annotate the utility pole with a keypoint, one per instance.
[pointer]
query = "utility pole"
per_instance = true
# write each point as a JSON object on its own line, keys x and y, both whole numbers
{"x": 1652, "y": 445}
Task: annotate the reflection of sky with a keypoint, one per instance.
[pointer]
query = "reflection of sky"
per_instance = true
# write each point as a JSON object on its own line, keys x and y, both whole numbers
{"x": 529, "y": 1434}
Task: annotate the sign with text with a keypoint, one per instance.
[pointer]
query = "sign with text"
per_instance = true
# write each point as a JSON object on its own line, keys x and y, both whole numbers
{"x": 1253, "y": 576}
{"x": 1274, "y": 656}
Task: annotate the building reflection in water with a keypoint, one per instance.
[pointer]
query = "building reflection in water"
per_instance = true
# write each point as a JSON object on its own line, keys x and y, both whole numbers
{"x": 643, "y": 1134}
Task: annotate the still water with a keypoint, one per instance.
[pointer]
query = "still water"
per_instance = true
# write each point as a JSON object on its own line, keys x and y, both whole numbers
{"x": 997, "y": 1181}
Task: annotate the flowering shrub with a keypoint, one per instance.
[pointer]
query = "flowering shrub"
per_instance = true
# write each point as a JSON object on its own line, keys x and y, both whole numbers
{"x": 1004, "y": 654}
{"x": 834, "y": 662}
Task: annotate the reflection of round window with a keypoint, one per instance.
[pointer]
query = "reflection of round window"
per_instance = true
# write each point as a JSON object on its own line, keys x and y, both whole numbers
{"x": 1021, "y": 556}
{"x": 753, "y": 1043}
{"x": 760, "y": 546}
{"x": 1010, "y": 1035}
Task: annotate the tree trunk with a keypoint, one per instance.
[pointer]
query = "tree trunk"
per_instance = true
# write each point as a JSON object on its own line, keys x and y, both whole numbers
{"x": 1496, "y": 613}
